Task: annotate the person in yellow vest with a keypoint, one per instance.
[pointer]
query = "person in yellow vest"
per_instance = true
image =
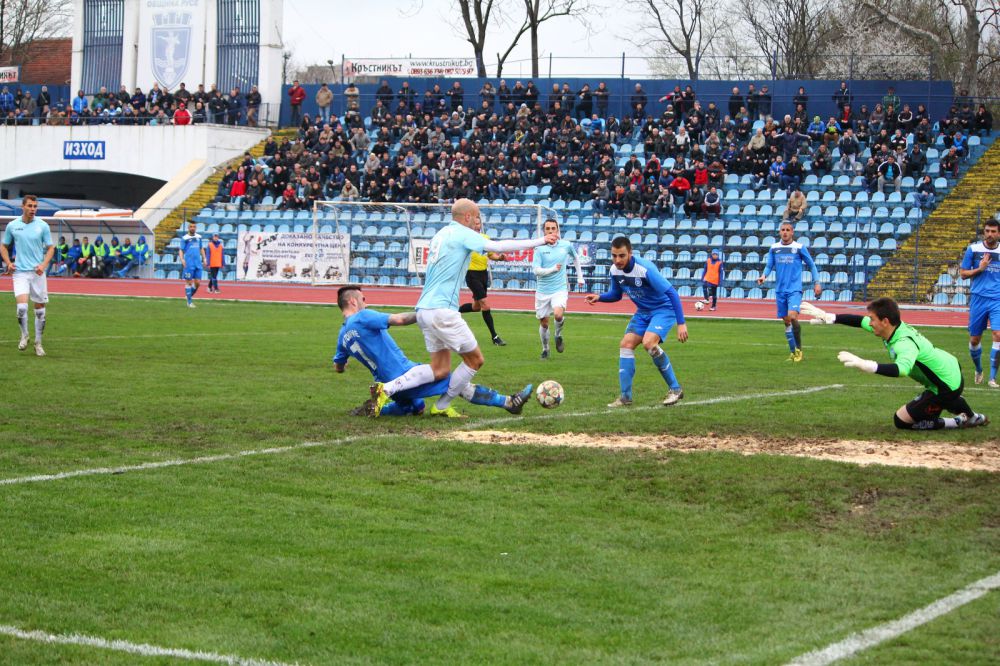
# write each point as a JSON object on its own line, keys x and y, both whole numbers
{"x": 216, "y": 260}
{"x": 102, "y": 251}
{"x": 84, "y": 263}
{"x": 477, "y": 278}
{"x": 711, "y": 279}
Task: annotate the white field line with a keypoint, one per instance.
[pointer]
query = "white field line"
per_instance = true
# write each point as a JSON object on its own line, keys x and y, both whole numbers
{"x": 132, "y": 648}
{"x": 38, "y": 478}
{"x": 228, "y": 334}
{"x": 691, "y": 403}
{"x": 885, "y": 632}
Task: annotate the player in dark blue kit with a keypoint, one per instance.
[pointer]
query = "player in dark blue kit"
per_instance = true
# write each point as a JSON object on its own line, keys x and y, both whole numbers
{"x": 365, "y": 337}
{"x": 981, "y": 264}
{"x": 785, "y": 258}
{"x": 658, "y": 308}
{"x": 192, "y": 262}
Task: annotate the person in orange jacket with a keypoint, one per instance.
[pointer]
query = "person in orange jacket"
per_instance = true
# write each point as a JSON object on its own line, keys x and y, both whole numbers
{"x": 216, "y": 260}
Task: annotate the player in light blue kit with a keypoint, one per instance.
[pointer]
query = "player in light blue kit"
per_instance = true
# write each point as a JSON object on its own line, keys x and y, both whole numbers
{"x": 551, "y": 293}
{"x": 192, "y": 262}
{"x": 981, "y": 264}
{"x": 32, "y": 241}
{"x": 437, "y": 309}
{"x": 785, "y": 258}
{"x": 365, "y": 337}
{"x": 657, "y": 309}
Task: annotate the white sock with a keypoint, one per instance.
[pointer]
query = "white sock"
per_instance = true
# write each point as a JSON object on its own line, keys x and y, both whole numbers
{"x": 543, "y": 333}
{"x": 415, "y": 376}
{"x": 559, "y": 325}
{"x": 22, "y": 318}
{"x": 950, "y": 423}
{"x": 460, "y": 378}
{"x": 39, "y": 325}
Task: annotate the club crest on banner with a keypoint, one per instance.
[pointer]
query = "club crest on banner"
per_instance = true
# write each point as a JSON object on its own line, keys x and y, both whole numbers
{"x": 171, "y": 44}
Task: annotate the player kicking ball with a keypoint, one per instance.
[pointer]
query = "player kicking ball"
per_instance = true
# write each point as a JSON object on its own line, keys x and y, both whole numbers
{"x": 551, "y": 293}
{"x": 365, "y": 337}
{"x": 915, "y": 357}
{"x": 658, "y": 308}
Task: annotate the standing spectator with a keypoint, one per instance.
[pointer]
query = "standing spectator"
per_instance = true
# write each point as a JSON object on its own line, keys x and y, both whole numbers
{"x": 801, "y": 99}
{"x": 384, "y": 94}
{"x": 711, "y": 279}
{"x": 890, "y": 99}
{"x": 217, "y": 108}
{"x": 843, "y": 96}
{"x": 849, "y": 149}
{"x": 215, "y": 252}
{"x": 603, "y": 95}
{"x": 764, "y": 103}
{"x": 253, "y": 106}
{"x": 28, "y": 106}
{"x": 457, "y": 95}
{"x": 585, "y": 105}
{"x": 7, "y": 101}
{"x": 296, "y": 95}
{"x": 638, "y": 102}
{"x": 324, "y": 99}
{"x": 234, "y": 106}
{"x": 182, "y": 116}
{"x": 735, "y": 103}
{"x": 752, "y": 101}
{"x": 353, "y": 98}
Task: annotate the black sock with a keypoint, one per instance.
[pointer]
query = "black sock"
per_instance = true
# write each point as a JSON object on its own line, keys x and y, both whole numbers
{"x": 960, "y": 406}
{"x": 797, "y": 332}
{"x": 488, "y": 318}
{"x": 465, "y": 307}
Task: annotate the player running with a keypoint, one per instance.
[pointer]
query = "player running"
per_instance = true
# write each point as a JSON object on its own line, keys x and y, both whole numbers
{"x": 192, "y": 262}
{"x": 437, "y": 309}
{"x": 32, "y": 240}
{"x": 551, "y": 294}
{"x": 365, "y": 336}
{"x": 915, "y": 357}
{"x": 981, "y": 264}
{"x": 785, "y": 258}
{"x": 658, "y": 308}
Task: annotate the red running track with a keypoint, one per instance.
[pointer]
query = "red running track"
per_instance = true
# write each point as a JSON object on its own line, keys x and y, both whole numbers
{"x": 407, "y": 296}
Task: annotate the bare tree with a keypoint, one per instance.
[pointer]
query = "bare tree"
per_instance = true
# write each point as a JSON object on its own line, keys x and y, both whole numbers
{"x": 25, "y": 21}
{"x": 476, "y": 16}
{"x": 957, "y": 33}
{"x": 795, "y": 33}
{"x": 539, "y": 11}
{"x": 684, "y": 28}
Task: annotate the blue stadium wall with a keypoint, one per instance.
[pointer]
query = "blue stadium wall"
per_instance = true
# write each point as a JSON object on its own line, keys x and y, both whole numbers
{"x": 936, "y": 95}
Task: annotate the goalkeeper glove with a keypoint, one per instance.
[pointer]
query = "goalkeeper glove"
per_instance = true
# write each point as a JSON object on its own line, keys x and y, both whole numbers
{"x": 818, "y": 316}
{"x": 851, "y": 361}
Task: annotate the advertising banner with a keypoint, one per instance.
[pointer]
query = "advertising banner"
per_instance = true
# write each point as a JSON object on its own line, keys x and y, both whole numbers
{"x": 410, "y": 67}
{"x": 9, "y": 74}
{"x": 291, "y": 257}
{"x": 419, "y": 250}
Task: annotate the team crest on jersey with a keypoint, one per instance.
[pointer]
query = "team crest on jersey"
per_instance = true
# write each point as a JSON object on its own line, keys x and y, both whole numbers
{"x": 638, "y": 282}
{"x": 171, "y": 44}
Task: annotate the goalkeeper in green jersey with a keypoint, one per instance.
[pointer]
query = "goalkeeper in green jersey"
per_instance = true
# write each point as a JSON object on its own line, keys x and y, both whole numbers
{"x": 913, "y": 356}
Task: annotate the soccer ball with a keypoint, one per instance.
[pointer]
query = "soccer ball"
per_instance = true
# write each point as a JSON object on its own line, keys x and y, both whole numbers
{"x": 549, "y": 394}
{"x": 698, "y": 305}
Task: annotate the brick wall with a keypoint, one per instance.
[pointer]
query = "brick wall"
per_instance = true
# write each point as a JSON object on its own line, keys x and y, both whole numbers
{"x": 45, "y": 61}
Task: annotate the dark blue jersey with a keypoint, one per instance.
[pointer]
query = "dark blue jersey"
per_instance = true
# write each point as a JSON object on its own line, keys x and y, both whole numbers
{"x": 365, "y": 336}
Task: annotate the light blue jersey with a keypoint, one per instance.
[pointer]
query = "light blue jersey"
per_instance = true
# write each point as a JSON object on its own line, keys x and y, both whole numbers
{"x": 546, "y": 257}
{"x": 786, "y": 262}
{"x": 447, "y": 262}
{"x": 191, "y": 249}
{"x": 642, "y": 282}
{"x": 987, "y": 283}
{"x": 31, "y": 242}
{"x": 365, "y": 336}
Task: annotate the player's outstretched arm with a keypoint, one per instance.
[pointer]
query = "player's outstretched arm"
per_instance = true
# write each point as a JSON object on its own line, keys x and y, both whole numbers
{"x": 818, "y": 316}
{"x": 403, "y": 319}
{"x": 851, "y": 361}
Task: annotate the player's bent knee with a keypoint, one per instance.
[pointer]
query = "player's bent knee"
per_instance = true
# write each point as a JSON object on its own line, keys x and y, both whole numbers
{"x": 900, "y": 423}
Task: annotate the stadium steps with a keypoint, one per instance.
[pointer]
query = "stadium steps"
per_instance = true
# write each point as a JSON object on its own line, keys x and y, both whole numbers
{"x": 204, "y": 194}
{"x": 910, "y": 274}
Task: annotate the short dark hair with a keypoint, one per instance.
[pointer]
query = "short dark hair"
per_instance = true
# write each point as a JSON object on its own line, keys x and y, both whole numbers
{"x": 885, "y": 308}
{"x": 619, "y": 242}
{"x": 992, "y": 222}
{"x": 345, "y": 294}
{"x": 29, "y": 197}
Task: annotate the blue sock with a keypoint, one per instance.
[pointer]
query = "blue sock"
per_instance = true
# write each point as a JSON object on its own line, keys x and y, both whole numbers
{"x": 994, "y": 360}
{"x": 790, "y": 336}
{"x": 396, "y": 409}
{"x": 662, "y": 363}
{"x": 483, "y": 395}
{"x": 626, "y": 371}
{"x": 976, "y": 352}
{"x": 188, "y": 293}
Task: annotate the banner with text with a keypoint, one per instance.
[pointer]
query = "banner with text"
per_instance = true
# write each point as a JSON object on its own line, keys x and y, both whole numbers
{"x": 9, "y": 74}
{"x": 171, "y": 43}
{"x": 420, "y": 249}
{"x": 288, "y": 257}
{"x": 410, "y": 67}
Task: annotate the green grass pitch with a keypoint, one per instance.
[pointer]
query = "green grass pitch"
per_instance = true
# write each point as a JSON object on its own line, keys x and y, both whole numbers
{"x": 383, "y": 544}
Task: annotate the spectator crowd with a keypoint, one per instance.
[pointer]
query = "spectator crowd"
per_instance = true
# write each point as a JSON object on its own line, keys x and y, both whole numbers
{"x": 442, "y": 145}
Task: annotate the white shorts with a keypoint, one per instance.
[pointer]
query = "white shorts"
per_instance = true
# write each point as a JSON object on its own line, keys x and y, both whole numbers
{"x": 33, "y": 284}
{"x": 546, "y": 304}
{"x": 445, "y": 329}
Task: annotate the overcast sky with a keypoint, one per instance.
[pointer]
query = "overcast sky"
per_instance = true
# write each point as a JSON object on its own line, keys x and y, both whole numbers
{"x": 321, "y": 30}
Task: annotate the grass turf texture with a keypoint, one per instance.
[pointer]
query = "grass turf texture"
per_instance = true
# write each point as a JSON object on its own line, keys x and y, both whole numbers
{"x": 395, "y": 548}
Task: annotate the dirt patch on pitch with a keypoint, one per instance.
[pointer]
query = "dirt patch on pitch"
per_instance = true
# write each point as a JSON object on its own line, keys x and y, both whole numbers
{"x": 932, "y": 455}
